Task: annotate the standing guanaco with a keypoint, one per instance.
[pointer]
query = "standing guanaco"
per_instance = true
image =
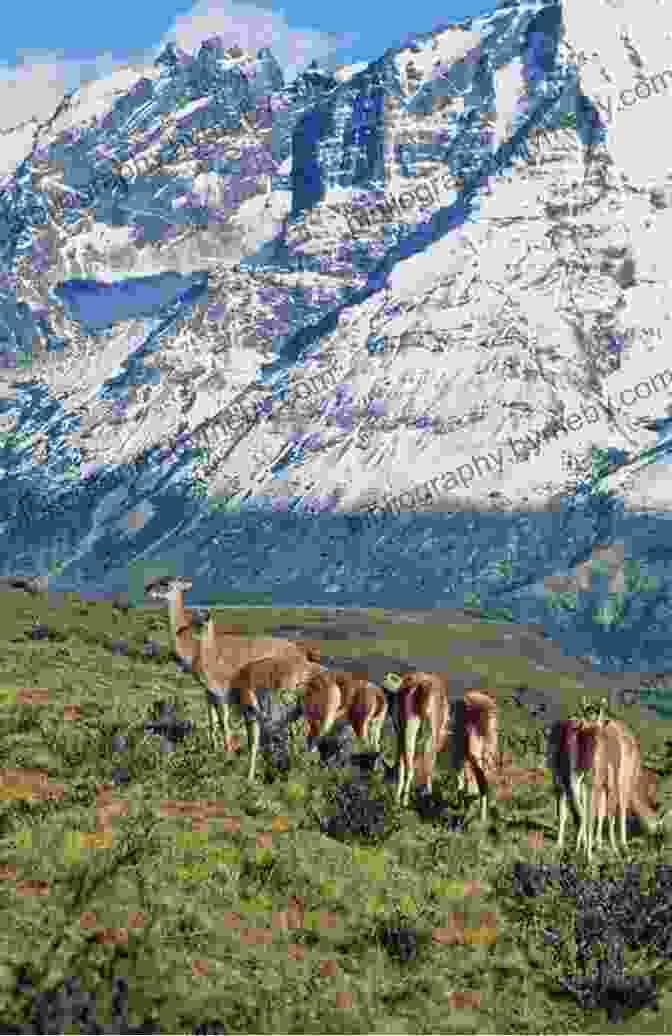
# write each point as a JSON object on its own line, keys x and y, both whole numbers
{"x": 597, "y": 770}
{"x": 470, "y": 740}
{"x": 228, "y": 651}
{"x": 242, "y": 688}
{"x": 339, "y": 695}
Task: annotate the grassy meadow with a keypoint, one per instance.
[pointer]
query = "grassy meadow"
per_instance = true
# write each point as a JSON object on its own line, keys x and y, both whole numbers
{"x": 223, "y": 902}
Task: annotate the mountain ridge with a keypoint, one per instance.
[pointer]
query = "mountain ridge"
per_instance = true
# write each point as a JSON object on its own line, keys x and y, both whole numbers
{"x": 174, "y": 257}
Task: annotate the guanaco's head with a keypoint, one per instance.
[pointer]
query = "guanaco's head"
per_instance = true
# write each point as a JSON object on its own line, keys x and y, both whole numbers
{"x": 170, "y": 590}
{"x": 167, "y": 588}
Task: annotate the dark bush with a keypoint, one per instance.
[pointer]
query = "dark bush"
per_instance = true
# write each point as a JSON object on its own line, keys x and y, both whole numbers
{"x": 610, "y": 915}
{"x": 165, "y": 722}
{"x": 70, "y": 1005}
{"x": 399, "y": 941}
{"x": 531, "y": 879}
{"x": 356, "y": 813}
{"x": 119, "y": 743}
{"x": 40, "y": 632}
{"x": 620, "y": 995}
{"x": 119, "y": 647}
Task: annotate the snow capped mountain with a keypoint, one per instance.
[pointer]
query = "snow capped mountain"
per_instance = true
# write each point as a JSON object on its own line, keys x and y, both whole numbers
{"x": 428, "y": 282}
{"x": 345, "y": 72}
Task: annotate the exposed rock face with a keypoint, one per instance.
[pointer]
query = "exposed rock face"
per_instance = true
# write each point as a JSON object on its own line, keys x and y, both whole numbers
{"x": 430, "y": 283}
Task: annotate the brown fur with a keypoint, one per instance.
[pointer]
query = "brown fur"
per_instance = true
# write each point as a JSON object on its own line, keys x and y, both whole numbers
{"x": 646, "y": 789}
{"x": 187, "y": 646}
{"x": 643, "y": 794}
{"x": 622, "y": 784}
{"x": 271, "y": 674}
{"x": 219, "y": 655}
{"x": 614, "y": 767}
{"x": 229, "y": 654}
{"x": 243, "y": 664}
{"x": 608, "y": 753}
{"x": 479, "y": 740}
{"x": 310, "y": 648}
{"x": 471, "y": 745}
{"x": 339, "y": 695}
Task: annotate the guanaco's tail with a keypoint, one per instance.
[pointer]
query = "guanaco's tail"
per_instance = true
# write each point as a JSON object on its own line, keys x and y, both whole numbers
{"x": 643, "y": 807}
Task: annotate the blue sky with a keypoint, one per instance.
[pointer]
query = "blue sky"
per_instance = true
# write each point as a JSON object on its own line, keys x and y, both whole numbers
{"x": 50, "y": 48}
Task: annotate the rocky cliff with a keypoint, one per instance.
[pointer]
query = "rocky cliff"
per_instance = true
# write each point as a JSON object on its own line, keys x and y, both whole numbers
{"x": 432, "y": 283}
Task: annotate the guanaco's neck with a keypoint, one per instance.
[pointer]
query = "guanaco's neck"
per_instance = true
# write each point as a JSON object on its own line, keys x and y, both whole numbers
{"x": 187, "y": 646}
{"x": 176, "y": 611}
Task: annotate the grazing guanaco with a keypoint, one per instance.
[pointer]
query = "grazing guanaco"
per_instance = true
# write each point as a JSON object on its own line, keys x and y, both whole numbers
{"x": 228, "y": 651}
{"x": 607, "y": 753}
{"x": 613, "y": 768}
{"x": 618, "y": 774}
{"x": 336, "y": 695}
{"x": 475, "y": 739}
{"x": 471, "y": 739}
{"x": 421, "y": 697}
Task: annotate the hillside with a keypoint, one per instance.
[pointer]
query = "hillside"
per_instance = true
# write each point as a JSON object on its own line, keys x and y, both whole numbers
{"x": 141, "y": 880}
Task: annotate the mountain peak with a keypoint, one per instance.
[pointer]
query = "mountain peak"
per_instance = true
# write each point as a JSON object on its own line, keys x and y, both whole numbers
{"x": 403, "y": 282}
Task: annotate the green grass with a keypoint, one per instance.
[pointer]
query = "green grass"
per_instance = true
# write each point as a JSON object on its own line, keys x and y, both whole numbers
{"x": 195, "y": 907}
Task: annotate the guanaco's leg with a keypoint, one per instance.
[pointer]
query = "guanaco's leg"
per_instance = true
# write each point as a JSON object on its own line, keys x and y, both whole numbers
{"x": 253, "y": 731}
{"x": 218, "y": 709}
{"x": 410, "y": 738}
{"x": 377, "y": 731}
{"x": 211, "y": 731}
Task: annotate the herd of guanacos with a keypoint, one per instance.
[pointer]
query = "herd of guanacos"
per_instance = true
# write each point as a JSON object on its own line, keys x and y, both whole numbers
{"x": 235, "y": 667}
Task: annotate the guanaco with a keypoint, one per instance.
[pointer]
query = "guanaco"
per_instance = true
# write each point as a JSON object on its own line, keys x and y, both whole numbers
{"x": 605, "y": 752}
{"x": 616, "y": 772}
{"x": 470, "y": 740}
{"x": 643, "y": 792}
{"x": 339, "y": 695}
{"x": 228, "y": 651}
{"x": 243, "y": 687}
